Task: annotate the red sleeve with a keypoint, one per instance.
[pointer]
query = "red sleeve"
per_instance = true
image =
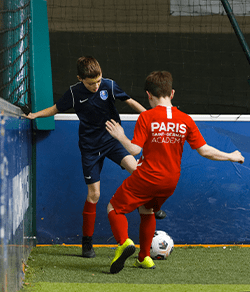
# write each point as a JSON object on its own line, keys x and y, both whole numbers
{"x": 194, "y": 138}
{"x": 140, "y": 132}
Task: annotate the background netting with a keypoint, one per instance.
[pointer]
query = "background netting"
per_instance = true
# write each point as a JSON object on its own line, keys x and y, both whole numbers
{"x": 193, "y": 39}
{"x": 14, "y": 51}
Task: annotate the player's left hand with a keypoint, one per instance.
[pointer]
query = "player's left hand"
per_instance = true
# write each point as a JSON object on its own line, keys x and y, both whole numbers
{"x": 115, "y": 129}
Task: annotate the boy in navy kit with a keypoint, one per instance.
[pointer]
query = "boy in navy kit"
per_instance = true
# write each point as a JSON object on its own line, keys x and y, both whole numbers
{"x": 93, "y": 99}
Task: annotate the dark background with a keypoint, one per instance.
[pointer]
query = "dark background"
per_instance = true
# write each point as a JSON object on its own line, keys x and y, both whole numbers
{"x": 132, "y": 38}
{"x": 210, "y": 70}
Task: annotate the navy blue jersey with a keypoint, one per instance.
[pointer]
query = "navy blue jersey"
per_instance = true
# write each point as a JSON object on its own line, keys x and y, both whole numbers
{"x": 93, "y": 110}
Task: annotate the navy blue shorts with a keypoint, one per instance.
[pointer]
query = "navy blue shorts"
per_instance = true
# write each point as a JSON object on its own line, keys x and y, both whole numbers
{"x": 92, "y": 162}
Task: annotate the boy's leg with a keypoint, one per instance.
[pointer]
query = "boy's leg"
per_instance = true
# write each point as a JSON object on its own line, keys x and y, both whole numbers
{"x": 126, "y": 247}
{"x": 146, "y": 234}
{"x": 129, "y": 163}
{"x": 119, "y": 226}
{"x": 89, "y": 215}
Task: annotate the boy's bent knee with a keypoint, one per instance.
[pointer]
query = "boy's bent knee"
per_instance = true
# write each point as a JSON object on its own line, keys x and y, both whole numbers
{"x": 143, "y": 210}
{"x": 110, "y": 208}
{"x": 93, "y": 197}
{"x": 129, "y": 163}
{"x": 93, "y": 192}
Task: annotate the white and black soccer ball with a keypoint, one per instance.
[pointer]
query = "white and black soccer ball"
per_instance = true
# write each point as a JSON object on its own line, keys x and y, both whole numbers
{"x": 162, "y": 245}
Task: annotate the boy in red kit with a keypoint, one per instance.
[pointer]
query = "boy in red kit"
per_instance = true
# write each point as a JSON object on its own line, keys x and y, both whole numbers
{"x": 161, "y": 132}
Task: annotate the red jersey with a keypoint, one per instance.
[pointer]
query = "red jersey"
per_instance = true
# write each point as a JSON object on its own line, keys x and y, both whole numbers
{"x": 162, "y": 132}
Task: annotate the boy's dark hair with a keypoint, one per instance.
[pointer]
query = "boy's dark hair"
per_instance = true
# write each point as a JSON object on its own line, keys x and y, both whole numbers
{"x": 159, "y": 83}
{"x": 88, "y": 67}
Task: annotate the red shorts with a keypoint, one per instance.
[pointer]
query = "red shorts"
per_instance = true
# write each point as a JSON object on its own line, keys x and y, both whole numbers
{"x": 135, "y": 192}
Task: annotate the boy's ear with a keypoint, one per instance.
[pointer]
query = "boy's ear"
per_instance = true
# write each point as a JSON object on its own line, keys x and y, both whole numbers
{"x": 149, "y": 95}
{"x": 79, "y": 78}
{"x": 172, "y": 94}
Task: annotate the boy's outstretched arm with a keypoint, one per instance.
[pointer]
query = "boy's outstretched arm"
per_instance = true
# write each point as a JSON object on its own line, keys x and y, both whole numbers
{"x": 116, "y": 131}
{"x": 48, "y": 112}
{"x": 135, "y": 105}
{"x": 215, "y": 154}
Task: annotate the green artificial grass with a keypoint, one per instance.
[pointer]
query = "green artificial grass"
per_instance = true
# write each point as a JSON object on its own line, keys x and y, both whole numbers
{"x": 86, "y": 287}
{"x": 192, "y": 267}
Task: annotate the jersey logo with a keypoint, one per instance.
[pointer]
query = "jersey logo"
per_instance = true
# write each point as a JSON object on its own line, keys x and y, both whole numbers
{"x": 104, "y": 94}
{"x": 82, "y": 101}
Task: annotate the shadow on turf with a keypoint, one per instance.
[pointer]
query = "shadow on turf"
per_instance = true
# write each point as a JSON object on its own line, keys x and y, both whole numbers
{"x": 89, "y": 259}
{"x": 99, "y": 264}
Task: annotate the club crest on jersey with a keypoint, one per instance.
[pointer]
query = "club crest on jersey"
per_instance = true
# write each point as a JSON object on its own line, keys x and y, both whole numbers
{"x": 104, "y": 94}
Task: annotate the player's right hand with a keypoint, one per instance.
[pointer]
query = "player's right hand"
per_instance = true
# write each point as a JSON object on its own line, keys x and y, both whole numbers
{"x": 115, "y": 129}
{"x": 236, "y": 156}
{"x": 30, "y": 116}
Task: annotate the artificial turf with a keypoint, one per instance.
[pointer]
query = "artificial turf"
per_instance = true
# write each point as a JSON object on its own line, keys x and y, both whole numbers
{"x": 56, "y": 268}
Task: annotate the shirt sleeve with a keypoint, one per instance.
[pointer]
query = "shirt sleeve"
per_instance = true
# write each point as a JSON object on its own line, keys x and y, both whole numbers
{"x": 195, "y": 138}
{"x": 140, "y": 132}
{"x": 118, "y": 93}
{"x": 65, "y": 102}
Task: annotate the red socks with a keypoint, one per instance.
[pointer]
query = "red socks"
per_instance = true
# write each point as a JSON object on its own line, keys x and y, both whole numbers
{"x": 147, "y": 230}
{"x": 119, "y": 226}
{"x": 89, "y": 214}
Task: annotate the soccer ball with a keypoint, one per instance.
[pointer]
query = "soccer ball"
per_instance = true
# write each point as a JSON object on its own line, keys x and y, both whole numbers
{"x": 162, "y": 245}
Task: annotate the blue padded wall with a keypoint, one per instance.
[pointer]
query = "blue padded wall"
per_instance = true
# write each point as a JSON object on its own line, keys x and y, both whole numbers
{"x": 211, "y": 203}
{"x": 16, "y": 210}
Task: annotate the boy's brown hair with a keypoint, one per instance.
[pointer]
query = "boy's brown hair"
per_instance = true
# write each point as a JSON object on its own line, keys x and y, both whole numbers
{"x": 88, "y": 67}
{"x": 159, "y": 83}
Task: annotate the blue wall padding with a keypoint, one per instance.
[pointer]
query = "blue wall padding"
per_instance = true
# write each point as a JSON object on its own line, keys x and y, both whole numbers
{"x": 211, "y": 203}
{"x": 15, "y": 192}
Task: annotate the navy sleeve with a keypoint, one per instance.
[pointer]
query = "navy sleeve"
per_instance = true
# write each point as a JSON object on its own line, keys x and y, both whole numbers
{"x": 119, "y": 93}
{"x": 65, "y": 102}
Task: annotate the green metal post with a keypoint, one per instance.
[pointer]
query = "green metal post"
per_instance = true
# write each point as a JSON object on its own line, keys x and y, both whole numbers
{"x": 236, "y": 28}
{"x": 40, "y": 64}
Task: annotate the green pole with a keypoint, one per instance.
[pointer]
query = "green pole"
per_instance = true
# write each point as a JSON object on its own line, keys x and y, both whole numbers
{"x": 40, "y": 64}
{"x": 236, "y": 28}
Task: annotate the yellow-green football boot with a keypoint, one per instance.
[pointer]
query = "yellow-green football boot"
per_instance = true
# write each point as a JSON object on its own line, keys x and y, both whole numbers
{"x": 147, "y": 263}
{"x": 121, "y": 254}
